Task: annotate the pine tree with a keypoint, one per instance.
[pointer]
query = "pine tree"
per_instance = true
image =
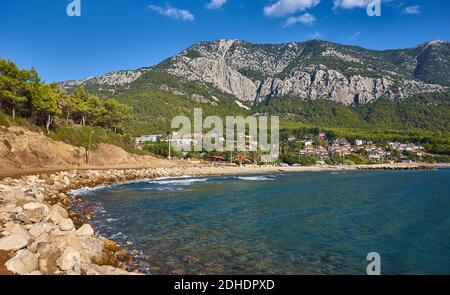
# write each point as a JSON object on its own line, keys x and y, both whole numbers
{"x": 45, "y": 102}
{"x": 116, "y": 114}
{"x": 79, "y": 103}
{"x": 13, "y": 85}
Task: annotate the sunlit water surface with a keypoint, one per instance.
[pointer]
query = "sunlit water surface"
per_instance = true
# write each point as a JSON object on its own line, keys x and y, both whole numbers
{"x": 308, "y": 223}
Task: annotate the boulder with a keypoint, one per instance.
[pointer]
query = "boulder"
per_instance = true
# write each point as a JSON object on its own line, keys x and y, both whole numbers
{"x": 47, "y": 179}
{"x": 94, "y": 250}
{"x": 23, "y": 263}
{"x": 70, "y": 260}
{"x": 14, "y": 228}
{"x": 43, "y": 238}
{"x": 109, "y": 245}
{"x": 32, "y": 216}
{"x": 37, "y": 229}
{"x": 35, "y": 205}
{"x": 92, "y": 269}
{"x": 66, "y": 224}
{"x": 66, "y": 180}
{"x": 13, "y": 242}
{"x": 5, "y": 217}
{"x": 57, "y": 212}
{"x": 12, "y": 194}
{"x": 44, "y": 248}
{"x": 90, "y": 248}
{"x": 11, "y": 208}
{"x": 85, "y": 230}
{"x": 48, "y": 260}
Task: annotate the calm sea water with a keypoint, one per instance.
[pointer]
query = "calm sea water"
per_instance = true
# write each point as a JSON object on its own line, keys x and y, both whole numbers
{"x": 308, "y": 223}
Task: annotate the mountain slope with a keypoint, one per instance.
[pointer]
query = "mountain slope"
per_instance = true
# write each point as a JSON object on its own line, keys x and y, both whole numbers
{"x": 254, "y": 73}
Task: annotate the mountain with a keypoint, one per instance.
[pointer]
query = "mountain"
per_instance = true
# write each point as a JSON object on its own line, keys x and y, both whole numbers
{"x": 255, "y": 73}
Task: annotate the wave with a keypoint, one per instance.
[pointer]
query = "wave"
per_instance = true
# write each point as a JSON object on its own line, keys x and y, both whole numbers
{"x": 256, "y": 178}
{"x": 118, "y": 235}
{"x": 177, "y": 181}
{"x": 89, "y": 190}
{"x": 166, "y": 183}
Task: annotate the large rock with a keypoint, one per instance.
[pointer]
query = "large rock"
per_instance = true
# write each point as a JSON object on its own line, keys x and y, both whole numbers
{"x": 23, "y": 263}
{"x": 90, "y": 248}
{"x": 32, "y": 216}
{"x": 66, "y": 224}
{"x": 70, "y": 260}
{"x": 92, "y": 269}
{"x": 14, "y": 242}
{"x": 14, "y": 228}
{"x": 11, "y": 208}
{"x": 35, "y": 205}
{"x": 85, "y": 230}
{"x": 43, "y": 238}
{"x": 37, "y": 229}
{"x": 48, "y": 260}
{"x": 57, "y": 213}
{"x": 12, "y": 194}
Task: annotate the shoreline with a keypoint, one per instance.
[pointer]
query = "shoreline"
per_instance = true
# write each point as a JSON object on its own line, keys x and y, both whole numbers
{"x": 43, "y": 234}
{"x": 17, "y": 173}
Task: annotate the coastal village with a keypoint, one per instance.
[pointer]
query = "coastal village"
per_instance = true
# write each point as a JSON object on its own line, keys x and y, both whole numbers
{"x": 319, "y": 148}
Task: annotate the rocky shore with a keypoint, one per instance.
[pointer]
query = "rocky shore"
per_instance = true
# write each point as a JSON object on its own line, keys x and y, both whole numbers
{"x": 41, "y": 233}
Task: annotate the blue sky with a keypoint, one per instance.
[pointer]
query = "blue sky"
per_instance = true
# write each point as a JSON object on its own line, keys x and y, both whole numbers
{"x": 127, "y": 34}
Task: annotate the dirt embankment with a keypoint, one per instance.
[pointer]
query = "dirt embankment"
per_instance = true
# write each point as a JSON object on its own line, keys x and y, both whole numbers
{"x": 24, "y": 152}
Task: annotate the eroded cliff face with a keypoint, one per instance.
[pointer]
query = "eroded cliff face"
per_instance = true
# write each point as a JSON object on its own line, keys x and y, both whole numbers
{"x": 225, "y": 63}
{"x": 253, "y": 73}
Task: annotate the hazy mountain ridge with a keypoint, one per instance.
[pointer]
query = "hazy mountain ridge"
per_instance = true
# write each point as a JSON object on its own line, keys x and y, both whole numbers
{"x": 254, "y": 73}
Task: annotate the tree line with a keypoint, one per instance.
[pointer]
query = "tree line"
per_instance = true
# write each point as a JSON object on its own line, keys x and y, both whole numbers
{"x": 23, "y": 93}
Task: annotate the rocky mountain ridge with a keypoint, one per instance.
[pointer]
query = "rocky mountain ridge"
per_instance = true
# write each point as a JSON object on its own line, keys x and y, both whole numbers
{"x": 254, "y": 73}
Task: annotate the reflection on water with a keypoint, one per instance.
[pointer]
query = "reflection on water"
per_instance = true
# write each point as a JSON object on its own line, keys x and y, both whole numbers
{"x": 310, "y": 223}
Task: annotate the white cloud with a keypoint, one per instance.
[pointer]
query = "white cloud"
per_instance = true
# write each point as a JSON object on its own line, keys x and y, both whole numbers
{"x": 349, "y": 4}
{"x": 288, "y": 7}
{"x": 216, "y": 4}
{"x": 173, "y": 13}
{"x": 412, "y": 10}
{"x": 306, "y": 19}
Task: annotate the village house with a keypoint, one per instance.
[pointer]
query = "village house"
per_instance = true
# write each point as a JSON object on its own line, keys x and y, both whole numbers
{"x": 378, "y": 155}
{"x": 148, "y": 138}
{"x": 410, "y": 147}
{"x": 359, "y": 142}
{"x": 315, "y": 151}
{"x": 308, "y": 143}
{"x": 344, "y": 149}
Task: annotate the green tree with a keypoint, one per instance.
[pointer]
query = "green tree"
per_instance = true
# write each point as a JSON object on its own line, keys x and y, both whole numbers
{"x": 44, "y": 100}
{"x": 64, "y": 102}
{"x": 308, "y": 160}
{"x": 85, "y": 106}
{"x": 13, "y": 85}
{"x": 116, "y": 114}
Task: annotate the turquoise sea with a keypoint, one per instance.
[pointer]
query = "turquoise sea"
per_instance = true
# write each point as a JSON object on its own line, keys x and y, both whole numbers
{"x": 305, "y": 223}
